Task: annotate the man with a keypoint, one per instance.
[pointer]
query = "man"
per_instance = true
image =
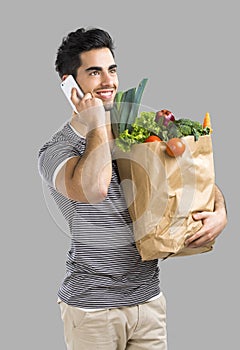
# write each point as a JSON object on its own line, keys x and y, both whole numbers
{"x": 109, "y": 299}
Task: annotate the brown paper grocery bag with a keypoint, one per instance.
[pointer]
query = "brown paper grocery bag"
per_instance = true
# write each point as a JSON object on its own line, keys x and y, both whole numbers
{"x": 162, "y": 192}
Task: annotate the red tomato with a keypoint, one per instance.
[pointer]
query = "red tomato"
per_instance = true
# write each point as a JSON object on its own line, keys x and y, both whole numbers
{"x": 175, "y": 147}
{"x": 152, "y": 138}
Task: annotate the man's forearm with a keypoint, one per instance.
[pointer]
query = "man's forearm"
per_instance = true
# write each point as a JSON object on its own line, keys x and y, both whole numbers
{"x": 94, "y": 168}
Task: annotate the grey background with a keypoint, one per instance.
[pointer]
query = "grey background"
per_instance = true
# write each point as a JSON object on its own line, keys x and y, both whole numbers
{"x": 189, "y": 52}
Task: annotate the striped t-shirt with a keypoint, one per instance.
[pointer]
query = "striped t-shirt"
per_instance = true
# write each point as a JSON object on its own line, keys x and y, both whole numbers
{"x": 103, "y": 266}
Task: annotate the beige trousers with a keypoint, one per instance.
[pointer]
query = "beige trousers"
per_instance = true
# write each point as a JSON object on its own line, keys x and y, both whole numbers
{"x": 140, "y": 327}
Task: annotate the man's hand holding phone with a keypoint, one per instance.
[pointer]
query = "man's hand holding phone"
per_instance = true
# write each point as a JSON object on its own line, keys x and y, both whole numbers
{"x": 90, "y": 110}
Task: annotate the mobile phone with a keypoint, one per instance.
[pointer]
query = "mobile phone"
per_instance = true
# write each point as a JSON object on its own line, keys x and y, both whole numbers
{"x": 67, "y": 86}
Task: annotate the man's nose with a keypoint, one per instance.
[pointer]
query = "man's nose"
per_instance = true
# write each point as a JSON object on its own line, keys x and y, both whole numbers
{"x": 107, "y": 79}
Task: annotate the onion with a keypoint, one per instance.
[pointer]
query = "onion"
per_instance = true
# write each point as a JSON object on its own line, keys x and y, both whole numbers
{"x": 167, "y": 115}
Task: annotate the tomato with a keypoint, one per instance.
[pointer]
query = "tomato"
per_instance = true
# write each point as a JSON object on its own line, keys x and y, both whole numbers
{"x": 175, "y": 147}
{"x": 152, "y": 138}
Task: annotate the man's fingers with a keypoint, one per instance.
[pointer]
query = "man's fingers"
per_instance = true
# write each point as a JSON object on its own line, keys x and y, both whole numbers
{"x": 74, "y": 96}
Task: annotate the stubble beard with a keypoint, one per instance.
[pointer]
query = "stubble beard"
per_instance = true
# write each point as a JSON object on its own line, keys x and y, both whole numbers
{"x": 108, "y": 106}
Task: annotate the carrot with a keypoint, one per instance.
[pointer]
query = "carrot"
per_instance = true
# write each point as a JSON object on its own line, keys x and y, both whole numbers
{"x": 207, "y": 122}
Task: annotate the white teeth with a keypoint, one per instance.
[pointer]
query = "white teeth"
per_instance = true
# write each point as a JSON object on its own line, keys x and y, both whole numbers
{"x": 105, "y": 94}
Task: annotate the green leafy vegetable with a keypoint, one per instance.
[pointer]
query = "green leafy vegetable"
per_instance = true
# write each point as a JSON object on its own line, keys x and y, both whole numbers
{"x": 126, "y": 139}
{"x": 189, "y": 127}
{"x": 141, "y": 129}
{"x": 126, "y": 108}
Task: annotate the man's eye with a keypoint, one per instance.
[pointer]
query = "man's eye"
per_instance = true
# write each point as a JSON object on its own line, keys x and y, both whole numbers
{"x": 95, "y": 72}
{"x": 113, "y": 71}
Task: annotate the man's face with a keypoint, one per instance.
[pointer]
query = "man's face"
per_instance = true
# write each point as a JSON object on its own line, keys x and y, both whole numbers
{"x": 98, "y": 75}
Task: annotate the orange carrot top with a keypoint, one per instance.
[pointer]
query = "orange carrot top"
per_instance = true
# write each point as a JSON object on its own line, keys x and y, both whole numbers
{"x": 207, "y": 122}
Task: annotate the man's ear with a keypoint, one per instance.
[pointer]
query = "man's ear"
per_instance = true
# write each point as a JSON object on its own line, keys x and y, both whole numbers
{"x": 64, "y": 76}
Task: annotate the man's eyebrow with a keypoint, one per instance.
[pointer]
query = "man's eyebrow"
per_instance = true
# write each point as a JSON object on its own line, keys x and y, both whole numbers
{"x": 100, "y": 68}
{"x": 112, "y": 66}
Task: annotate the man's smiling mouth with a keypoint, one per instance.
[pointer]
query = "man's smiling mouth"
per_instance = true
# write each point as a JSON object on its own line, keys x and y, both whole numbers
{"x": 105, "y": 94}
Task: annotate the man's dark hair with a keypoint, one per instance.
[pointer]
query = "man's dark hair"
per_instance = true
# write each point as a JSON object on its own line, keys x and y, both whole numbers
{"x": 68, "y": 55}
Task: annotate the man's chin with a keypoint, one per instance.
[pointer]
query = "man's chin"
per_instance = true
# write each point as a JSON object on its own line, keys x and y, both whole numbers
{"x": 108, "y": 106}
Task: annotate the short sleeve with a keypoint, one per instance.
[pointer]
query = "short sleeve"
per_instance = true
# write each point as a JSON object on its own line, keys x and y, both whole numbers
{"x": 52, "y": 157}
